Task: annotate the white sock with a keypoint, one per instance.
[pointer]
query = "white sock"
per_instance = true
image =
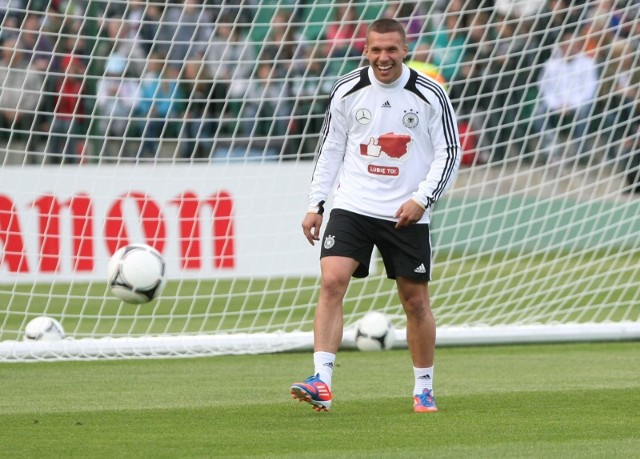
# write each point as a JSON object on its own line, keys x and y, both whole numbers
{"x": 323, "y": 363}
{"x": 423, "y": 379}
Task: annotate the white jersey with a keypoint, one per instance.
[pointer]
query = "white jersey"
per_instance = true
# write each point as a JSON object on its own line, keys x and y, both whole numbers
{"x": 388, "y": 143}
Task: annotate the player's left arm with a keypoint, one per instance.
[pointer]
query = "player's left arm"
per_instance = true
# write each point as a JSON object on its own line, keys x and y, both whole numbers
{"x": 443, "y": 131}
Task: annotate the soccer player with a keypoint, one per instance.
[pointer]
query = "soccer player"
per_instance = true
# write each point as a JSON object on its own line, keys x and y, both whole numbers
{"x": 390, "y": 139}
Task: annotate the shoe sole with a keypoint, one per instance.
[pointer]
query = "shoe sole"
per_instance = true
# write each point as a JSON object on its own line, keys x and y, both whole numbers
{"x": 426, "y": 410}
{"x": 302, "y": 396}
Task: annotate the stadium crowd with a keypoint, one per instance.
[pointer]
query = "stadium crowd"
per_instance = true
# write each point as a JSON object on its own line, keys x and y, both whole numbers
{"x": 85, "y": 81}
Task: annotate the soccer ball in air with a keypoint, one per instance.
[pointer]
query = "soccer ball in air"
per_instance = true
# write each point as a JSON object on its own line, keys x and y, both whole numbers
{"x": 374, "y": 332}
{"x": 136, "y": 273}
{"x": 43, "y": 328}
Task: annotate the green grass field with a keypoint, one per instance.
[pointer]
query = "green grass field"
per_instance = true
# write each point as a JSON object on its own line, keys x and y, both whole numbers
{"x": 569, "y": 400}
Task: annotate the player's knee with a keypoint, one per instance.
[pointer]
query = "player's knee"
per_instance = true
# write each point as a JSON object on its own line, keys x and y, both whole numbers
{"x": 334, "y": 285}
{"x": 417, "y": 308}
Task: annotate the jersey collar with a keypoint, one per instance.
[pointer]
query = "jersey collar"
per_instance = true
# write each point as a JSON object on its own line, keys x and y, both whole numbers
{"x": 400, "y": 82}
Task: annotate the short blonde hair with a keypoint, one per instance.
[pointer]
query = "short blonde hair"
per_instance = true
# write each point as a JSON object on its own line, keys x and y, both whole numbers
{"x": 387, "y": 25}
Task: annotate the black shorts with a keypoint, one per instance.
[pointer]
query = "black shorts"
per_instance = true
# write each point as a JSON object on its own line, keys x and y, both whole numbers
{"x": 406, "y": 252}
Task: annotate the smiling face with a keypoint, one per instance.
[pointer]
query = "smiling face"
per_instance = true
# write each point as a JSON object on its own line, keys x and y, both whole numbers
{"x": 386, "y": 52}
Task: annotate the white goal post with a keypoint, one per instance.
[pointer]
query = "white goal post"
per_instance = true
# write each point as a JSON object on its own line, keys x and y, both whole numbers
{"x": 192, "y": 126}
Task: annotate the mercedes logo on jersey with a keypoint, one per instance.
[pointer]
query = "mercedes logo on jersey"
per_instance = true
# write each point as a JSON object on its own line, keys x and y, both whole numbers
{"x": 363, "y": 116}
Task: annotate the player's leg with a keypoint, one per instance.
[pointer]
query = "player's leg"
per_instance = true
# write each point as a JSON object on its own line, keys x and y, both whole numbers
{"x": 328, "y": 320}
{"x": 328, "y": 327}
{"x": 406, "y": 253}
{"x": 421, "y": 325}
{"x": 421, "y": 339}
{"x": 346, "y": 252}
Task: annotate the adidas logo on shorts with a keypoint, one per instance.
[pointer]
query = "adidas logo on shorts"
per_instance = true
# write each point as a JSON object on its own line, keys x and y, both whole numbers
{"x": 420, "y": 269}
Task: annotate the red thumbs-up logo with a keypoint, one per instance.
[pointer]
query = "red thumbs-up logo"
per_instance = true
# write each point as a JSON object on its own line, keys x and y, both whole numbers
{"x": 393, "y": 145}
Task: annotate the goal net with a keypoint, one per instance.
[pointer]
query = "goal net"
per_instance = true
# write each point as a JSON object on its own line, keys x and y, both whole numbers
{"x": 192, "y": 126}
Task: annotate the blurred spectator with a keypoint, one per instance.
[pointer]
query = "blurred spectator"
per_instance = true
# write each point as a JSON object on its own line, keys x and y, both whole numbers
{"x": 142, "y": 19}
{"x": 619, "y": 100}
{"x": 599, "y": 45}
{"x": 345, "y": 39}
{"x": 505, "y": 89}
{"x": 422, "y": 61}
{"x": 55, "y": 17}
{"x": 119, "y": 43}
{"x": 628, "y": 86}
{"x": 45, "y": 44}
{"x": 469, "y": 91}
{"x": 610, "y": 13}
{"x": 157, "y": 104}
{"x": 284, "y": 47}
{"x": 46, "y": 37}
{"x": 37, "y": 45}
{"x": 567, "y": 90}
{"x": 185, "y": 30}
{"x": 135, "y": 11}
{"x": 448, "y": 40}
{"x": 518, "y": 8}
{"x": 481, "y": 34}
{"x": 630, "y": 27}
{"x": 548, "y": 25}
{"x": 345, "y": 30}
{"x": 230, "y": 56}
{"x": 231, "y": 60}
{"x": 466, "y": 88}
{"x": 205, "y": 100}
{"x": 21, "y": 88}
{"x": 309, "y": 95}
{"x": 598, "y": 35}
{"x": 632, "y": 152}
{"x": 410, "y": 15}
{"x": 66, "y": 141}
{"x": 115, "y": 100}
{"x": 267, "y": 112}
{"x": 11, "y": 12}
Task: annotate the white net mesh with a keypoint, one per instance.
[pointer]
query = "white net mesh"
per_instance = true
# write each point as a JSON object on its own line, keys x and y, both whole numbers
{"x": 192, "y": 126}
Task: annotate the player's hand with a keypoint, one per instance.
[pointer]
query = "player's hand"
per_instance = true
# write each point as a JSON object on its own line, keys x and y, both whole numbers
{"x": 311, "y": 227}
{"x": 409, "y": 213}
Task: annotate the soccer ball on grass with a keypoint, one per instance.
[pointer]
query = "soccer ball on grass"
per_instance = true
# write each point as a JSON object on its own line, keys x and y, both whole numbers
{"x": 136, "y": 273}
{"x": 374, "y": 332}
{"x": 43, "y": 328}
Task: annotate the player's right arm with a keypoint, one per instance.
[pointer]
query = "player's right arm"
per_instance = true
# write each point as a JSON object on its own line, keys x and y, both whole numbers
{"x": 332, "y": 146}
{"x": 311, "y": 226}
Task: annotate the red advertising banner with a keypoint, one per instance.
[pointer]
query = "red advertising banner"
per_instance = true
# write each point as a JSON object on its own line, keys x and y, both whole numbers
{"x": 207, "y": 221}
